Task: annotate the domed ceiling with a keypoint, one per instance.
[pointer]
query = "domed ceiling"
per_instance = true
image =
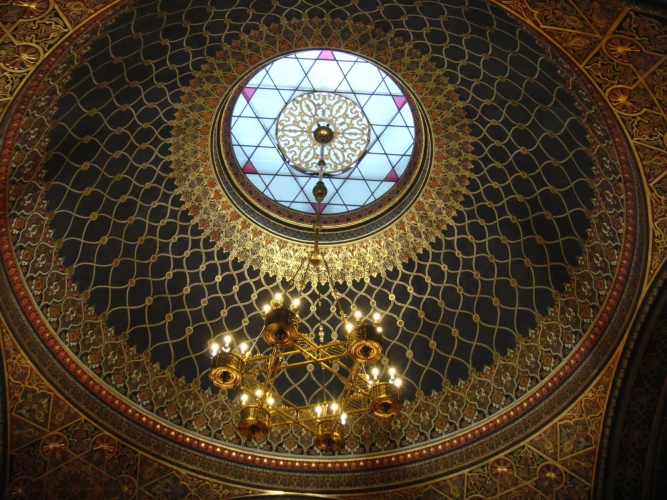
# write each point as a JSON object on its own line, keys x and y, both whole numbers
{"x": 493, "y": 223}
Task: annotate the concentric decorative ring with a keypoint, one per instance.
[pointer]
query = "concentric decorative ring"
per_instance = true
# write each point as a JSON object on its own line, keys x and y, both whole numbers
{"x": 258, "y": 232}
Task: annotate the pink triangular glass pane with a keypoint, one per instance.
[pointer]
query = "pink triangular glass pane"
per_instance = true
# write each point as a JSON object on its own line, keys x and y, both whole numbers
{"x": 249, "y": 168}
{"x": 327, "y": 55}
{"x": 391, "y": 176}
{"x": 248, "y": 93}
{"x": 399, "y": 100}
{"x": 322, "y": 207}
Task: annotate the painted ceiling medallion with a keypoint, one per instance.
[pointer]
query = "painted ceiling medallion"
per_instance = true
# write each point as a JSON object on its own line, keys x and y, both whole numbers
{"x": 301, "y": 117}
{"x": 410, "y": 205}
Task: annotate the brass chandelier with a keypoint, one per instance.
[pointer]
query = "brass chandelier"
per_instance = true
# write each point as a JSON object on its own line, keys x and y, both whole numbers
{"x": 349, "y": 361}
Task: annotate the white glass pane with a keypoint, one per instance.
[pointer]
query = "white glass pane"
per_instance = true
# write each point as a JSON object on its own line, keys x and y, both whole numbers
{"x": 345, "y": 56}
{"x": 301, "y": 197}
{"x": 266, "y": 160}
{"x": 373, "y": 185}
{"x": 284, "y": 188}
{"x": 402, "y": 165}
{"x": 248, "y": 132}
{"x": 247, "y": 111}
{"x": 257, "y": 181}
{"x": 407, "y": 115}
{"x": 238, "y": 107}
{"x": 334, "y": 209}
{"x": 396, "y": 140}
{"x": 391, "y": 85}
{"x": 383, "y": 188}
{"x": 355, "y": 192}
{"x": 307, "y": 54}
{"x": 286, "y": 73}
{"x": 374, "y": 166}
{"x": 364, "y": 77}
{"x": 240, "y": 156}
{"x": 267, "y": 103}
{"x": 325, "y": 75}
{"x": 380, "y": 110}
{"x": 345, "y": 66}
{"x": 256, "y": 80}
{"x": 302, "y": 207}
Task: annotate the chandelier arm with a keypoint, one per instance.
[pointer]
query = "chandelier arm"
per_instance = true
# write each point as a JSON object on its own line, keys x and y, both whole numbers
{"x": 311, "y": 347}
{"x": 269, "y": 377}
{"x": 300, "y": 363}
{"x": 343, "y": 379}
{"x": 294, "y": 419}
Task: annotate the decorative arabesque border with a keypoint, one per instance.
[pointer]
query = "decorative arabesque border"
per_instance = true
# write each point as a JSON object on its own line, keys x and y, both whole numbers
{"x": 251, "y": 243}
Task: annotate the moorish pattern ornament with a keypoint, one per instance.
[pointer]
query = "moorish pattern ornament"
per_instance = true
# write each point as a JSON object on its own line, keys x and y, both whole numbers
{"x": 513, "y": 384}
{"x": 244, "y": 239}
{"x": 301, "y": 117}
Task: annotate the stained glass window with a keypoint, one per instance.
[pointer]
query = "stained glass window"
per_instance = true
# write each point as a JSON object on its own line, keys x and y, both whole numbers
{"x": 259, "y": 104}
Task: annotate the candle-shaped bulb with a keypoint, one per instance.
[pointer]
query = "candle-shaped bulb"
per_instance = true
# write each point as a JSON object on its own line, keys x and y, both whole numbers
{"x": 279, "y": 297}
{"x": 343, "y": 418}
{"x": 334, "y": 407}
{"x": 270, "y": 400}
{"x": 296, "y": 303}
{"x": 227, "y": 339}
{"x": 243, "y": 348}
{"x": 258, "y": 393}
{"x": 266, "y": 308}
{"x": 244, "y": 398}
{"x": 357, "y": 314}
{"x": 375, "y": 372}
{"x": 392, "y": 372}
{"x": 318, "y": 410}
{"x": 398, "y": 382}
{"x": 214, "y": 349}
{"x": 349, "y": 327}
{"x": 379, "y": 329}
{"x": 376, "y": 317}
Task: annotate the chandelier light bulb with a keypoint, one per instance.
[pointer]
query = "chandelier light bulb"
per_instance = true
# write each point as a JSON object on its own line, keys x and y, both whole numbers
{"x": 379, "y": 329}
{"x": 398, "y": 382}
{"x": 243, "y": 348}
{"x": 279, "y": 297}
{"x": 318, "y": 410}
{"x": 214, "y": 349}
{"x": 258, "y": 393}
{"x": 376, "y": 317}
{"x": 343, "y": 418}
{"x": 270, "y": 400}
{"x": 244, "y": 398}
{"x": 375, "y": 373}
{"x": 392, "y": 372}
{"x": 349, "y": 327}
{"x": 266, "y": 308}
{"x": 296, "y": 303}
{"x": 357, "y": 314}
{"x": 227, "y": 339}
{"x": 334, "y": 407}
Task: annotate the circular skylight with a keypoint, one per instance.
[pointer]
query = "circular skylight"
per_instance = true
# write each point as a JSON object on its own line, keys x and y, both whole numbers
{"x": 271, "y": 90}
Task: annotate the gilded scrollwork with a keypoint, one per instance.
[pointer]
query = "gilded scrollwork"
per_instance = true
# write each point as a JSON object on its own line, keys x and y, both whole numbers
{"x": 300, "y": 118}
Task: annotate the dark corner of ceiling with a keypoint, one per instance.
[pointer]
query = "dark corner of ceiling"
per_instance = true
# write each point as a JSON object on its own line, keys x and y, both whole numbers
{"x": 633, "y": 455}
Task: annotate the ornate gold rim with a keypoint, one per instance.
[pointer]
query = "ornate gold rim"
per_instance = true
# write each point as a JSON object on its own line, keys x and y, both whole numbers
{"x": 253, "y": 244}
